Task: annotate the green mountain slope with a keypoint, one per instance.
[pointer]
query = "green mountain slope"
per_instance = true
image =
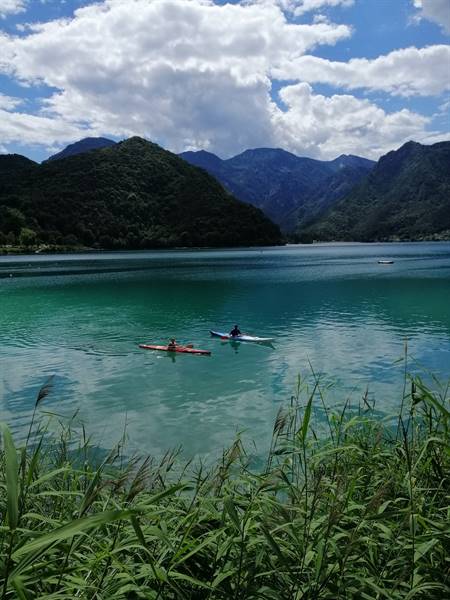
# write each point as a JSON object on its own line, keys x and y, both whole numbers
{"x": 288, "y": 188}
{"x": 406, "y": 196}
{"x": 131, "y": 195}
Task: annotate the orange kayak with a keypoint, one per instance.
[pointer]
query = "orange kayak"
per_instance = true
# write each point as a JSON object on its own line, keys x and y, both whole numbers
{"x": 183, "y": 349}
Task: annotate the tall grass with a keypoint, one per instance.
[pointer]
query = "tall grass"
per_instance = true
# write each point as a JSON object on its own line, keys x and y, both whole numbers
{"x": 363, "y": 513}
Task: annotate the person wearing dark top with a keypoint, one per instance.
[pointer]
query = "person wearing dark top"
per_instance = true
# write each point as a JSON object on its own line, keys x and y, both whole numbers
{"x": 235, "y": 331}
{"x": 172, "y": 345}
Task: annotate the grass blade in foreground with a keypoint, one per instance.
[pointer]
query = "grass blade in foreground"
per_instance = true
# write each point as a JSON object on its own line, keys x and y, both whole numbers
{"x": 11, "y": 467}
{"x": 366, "y": 516}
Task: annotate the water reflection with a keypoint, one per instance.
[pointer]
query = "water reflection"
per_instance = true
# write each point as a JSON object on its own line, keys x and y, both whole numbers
{"x": 331, "y": 307}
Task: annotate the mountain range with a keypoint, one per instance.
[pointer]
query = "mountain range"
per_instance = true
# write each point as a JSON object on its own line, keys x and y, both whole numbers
{"x": 133, "y": 194}
{"x": 293, "y": 191}
{"x": 405, "y": 196}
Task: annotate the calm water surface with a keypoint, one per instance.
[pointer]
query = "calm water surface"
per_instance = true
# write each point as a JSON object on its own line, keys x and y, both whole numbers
{"x": 81, "y": 318}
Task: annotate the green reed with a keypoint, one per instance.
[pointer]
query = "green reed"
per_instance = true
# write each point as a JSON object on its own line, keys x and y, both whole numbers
{"x": 362, "y": 512}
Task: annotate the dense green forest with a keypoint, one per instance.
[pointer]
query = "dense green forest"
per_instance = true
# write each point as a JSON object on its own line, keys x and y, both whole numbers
{"x": 405, "y": 197}
{"x": 129, "y": 196}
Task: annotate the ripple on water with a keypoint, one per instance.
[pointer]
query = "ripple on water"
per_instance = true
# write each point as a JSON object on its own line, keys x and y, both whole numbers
{"x": 331, "y": 308}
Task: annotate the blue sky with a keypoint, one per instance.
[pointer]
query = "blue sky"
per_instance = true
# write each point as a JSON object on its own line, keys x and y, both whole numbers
{"x": 317, "y": 77}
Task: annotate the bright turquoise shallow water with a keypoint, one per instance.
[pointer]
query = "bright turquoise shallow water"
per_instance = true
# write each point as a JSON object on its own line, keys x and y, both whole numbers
{"x": 81, "y": 318}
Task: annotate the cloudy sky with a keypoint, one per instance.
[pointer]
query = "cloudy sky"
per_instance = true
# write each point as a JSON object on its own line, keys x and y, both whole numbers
{"x": 316, "y": 77}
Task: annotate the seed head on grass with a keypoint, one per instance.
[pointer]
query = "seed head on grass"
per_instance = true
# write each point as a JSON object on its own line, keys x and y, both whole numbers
{"x": 357, "y": 514}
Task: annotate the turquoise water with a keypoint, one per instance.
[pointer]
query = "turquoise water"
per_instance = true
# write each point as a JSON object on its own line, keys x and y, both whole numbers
{"x": 81, "y": 318}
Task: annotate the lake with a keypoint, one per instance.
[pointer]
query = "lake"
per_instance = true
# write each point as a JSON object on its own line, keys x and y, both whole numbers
{"x": 329, "y": 307}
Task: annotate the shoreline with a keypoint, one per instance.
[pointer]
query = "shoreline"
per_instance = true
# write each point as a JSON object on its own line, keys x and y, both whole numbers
{"x": 67, "y": 251}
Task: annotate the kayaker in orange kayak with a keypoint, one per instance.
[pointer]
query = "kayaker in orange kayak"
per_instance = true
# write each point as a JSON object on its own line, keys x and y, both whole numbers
{"x": 172, "y": 345}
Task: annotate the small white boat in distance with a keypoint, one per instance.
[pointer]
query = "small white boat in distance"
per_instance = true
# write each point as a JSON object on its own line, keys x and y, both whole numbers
{"x": 385, "y": 262}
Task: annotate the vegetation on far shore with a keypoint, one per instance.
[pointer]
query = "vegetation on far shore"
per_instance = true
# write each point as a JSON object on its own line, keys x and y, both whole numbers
{"x": 290, "y": 239}
{"x": 362, "y": 513}
{"x": 41, "y": 248}
{"x": 308, "y": 238}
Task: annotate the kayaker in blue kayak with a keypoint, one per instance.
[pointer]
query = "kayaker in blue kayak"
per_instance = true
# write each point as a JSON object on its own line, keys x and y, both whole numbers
{"x": 235, "y": 331}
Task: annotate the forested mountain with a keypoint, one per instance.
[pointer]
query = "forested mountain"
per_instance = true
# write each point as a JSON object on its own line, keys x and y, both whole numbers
{"x": 84, "y": 145}
{"x": 289, "y": 189}
{"x": 405, "y": 196}
{"x": 133, "y": 194}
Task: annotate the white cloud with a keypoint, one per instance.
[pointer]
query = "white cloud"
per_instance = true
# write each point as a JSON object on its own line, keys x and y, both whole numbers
{"x": 193, "y": 74}
{"x": 183, "y": 72}
{"x": 8, "y": 103}
{"x": 37, "y": 130}
{"x": 11, "y": 7}
{"x": 435, "y": 137}
{"x": 329, "y": 126}
{"x": 311, "y": 5}
{"x": 437, "y": 11}
{"x": 405, "y": 72}
{"x": 188, "y": 34}
{"x": 300, "y": 7}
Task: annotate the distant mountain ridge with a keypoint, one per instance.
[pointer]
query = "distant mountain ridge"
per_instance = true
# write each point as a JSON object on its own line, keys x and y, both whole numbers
{"x": 133, "y": 194}
{"x": 288, "y": 188}
{"x": 84, "y": 145}
{"x": 405, "y": 196}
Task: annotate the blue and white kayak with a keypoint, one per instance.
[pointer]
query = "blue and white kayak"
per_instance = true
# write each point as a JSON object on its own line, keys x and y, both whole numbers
{"x": 240, "y": 338}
